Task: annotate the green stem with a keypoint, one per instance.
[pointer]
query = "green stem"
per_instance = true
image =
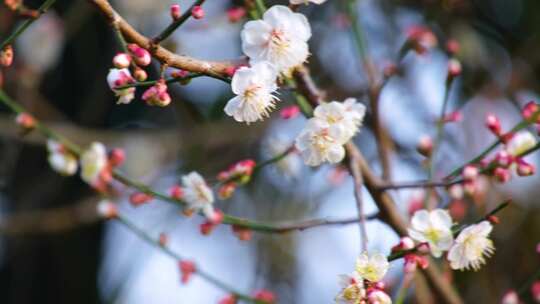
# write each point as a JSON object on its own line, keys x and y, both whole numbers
{"x": 155, "y": 242}
{"x": 41, "y": 10}
{"x": 261, "y": 7}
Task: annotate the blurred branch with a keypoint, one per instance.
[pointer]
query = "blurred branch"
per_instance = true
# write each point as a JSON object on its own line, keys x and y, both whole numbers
{"x": 50, "y": 221}
{"x": 41, "y": 10}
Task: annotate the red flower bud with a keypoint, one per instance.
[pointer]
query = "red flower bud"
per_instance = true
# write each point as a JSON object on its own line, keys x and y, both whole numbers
{"x": 139, "y": 198}
{"x": 530, "y": 111}
{"x": 25, "y": 120}
{"x": 265, "y": 295}
{"x": 163, "y": 239}
{"x": 197, "y": 12}
{"x": 289, "y": 112}
{"x": 140, "y": 55}
{"x": 230, "y": 299}
{"x": 117, "y": 157}
{"x": 452, "y": 46}
{"x": 524, "y": 168}
{"x": 6, "y": 56}
{"x": 187, "y": 268}
{"x": 502, "y": 175}
{"x": 176, "y": 192}
{"x": 493, "y": 124}
{"x": 235, "y": 14}
{"x": 175, "y": 11}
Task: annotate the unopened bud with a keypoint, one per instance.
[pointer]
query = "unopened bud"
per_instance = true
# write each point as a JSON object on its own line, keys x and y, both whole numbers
{"x": 452, "y": 46}
{"x": 493, "y": 219}
{"x": 226, "y": 191}
{"x": 289, "y": 112}
{"x": 175, "y": 12}
{"x": 503, "y": 159}
{"x": 470, "y": 173}
{"x": 510, "y": 297}
{"x": 454, "y": 68}
{"x": 163, "y": 239}
{"x": 107, "y": 209}
{"x": 197, "y": 12}
{"x": 25, "y": 120}
{"x": 140, "y": 74}
{"x": 502, "y": 175}
{"x": 6, "y": 56}
{"x": 530, "y": 111}
{"x": 524, "y": 168}
{"x": 535, "y": 291}
{"x": 117, "y": 157}
{"x": 493, "y": 124}
{"x": 425, "y": 145}
{"x": 176, "y": 192}
{"x": 140, "y": 55}
{"x": 121, "y": 60}
{"x": 139, "y": 198}
{"x": 235, "y": 14}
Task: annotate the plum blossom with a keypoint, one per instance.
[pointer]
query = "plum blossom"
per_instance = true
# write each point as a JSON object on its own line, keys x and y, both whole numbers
{"x": 197, "y": 194}
{"x": 432, "y": 227}
{"x": 471, "y": 247}
{"x": 520, "y": 143}
{"x": 157, "y": 95}
{"x": 324, "y": 135}
{"x": 93, "y": 163}
{"x": 280, "y": 37}
{"x": 352, "y": 289}
{"x": 347, "y": 117}
{"x": 118, "y": 78}
{"x": 60, "y": 159}
{"x": 372, "y": 268}
{"x": 254, "y": 87}
{"x": 319, "y": 142}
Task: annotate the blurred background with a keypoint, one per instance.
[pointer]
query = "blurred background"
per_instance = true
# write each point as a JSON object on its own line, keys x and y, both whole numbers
{"x": 55, "y": 249}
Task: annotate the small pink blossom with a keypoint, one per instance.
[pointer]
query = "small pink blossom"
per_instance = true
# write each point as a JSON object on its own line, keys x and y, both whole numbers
{"x": 157, "y": 95}
{"x": 140, "y": 55}
{"x": 197, "y": 12}
{"x": 175, "y": 11}
{"x": 121, "y": 61}
{"x": 187, "y": 268}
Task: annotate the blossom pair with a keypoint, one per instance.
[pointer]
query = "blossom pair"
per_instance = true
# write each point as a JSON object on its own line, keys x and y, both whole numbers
{"x": 333, "y": 124}
{"x": 468, "y": 250}
{"x": 275, "y": 45}
{"x": 364, "y": 284}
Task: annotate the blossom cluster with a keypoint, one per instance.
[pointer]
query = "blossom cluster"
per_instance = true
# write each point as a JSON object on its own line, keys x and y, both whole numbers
{"x": 468, "y": 250}
{"x": 364, "y": 285}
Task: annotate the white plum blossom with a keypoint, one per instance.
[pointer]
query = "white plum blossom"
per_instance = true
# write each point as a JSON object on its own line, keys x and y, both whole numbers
{"x": 346, "y": 117}
{"x": 333, "y": 124}
{"x": 520, "y": 143}
{"x": 297, "y": 2}
{"x": 318, "y": 142}
{"x": 372, "y": 268}
{"x": 197, "y": 194}
{"x": 93, "y": 162}
{"x": 434, "y": 228}
{"x": 280, "y": 37}
{"x": 118, "y": 78}
{"x": 61, "y": 160}
{"x": 254, "y": 87}
{"x": 471, "y": 247}
{"x": 352, "y": 289}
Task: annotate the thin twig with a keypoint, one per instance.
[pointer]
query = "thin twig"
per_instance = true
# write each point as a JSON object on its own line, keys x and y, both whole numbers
{"x": 176, "y": 23}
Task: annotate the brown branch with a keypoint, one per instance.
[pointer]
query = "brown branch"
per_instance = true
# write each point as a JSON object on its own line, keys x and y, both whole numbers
{"x": 357, "y": 179}
{"x": 307, "y": 224}
{"x": 417, "y": 184}
{"x": 388, "y": 211}
{"x": 210, "y": 68}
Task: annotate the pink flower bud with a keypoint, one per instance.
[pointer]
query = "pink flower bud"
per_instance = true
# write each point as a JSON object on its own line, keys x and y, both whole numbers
{"x": 243, "y": 234}
{"x": 265, "y": 295}
{"x": 140, "y": 55}
{"x": 107, "y": 209}
{"x": 421, "y": 38}
{"x": 197, "y": 12}
{"x": 510, "y": 297}
{"x": 187, "y": 268}
{"x": 390, "y": 69}
{"x": 25, "y": 120}
{"x": 229, "y": 299}
{"x": 535, "y": 290}
{"x": 470, "y": 173}
{"x": 425, "y": 145}
{"x": 163, "y": 239}
{"x": 6, "y": 56}
{"x": 139, "y": 198}
{"x": 538, "y": 248}
{"x": 140, "y": 74}
{"x": 157, "y": 95}
{"x": 175, "y": 12}
{"x": 117, "y": 157}
{"x": 493, "y": 219}
{"x": 504, "y": 159}
{"x": 406, "y": 243}
{"x": 502, "y": 175}
{"x": 289, "y": 112}
{"x": 235, "y": 14}
{"x": 226, "y": 191}
{"x": 454, "y": 68}
{"x": 206, "y": 228}
{"x": 493, "y": 124}
{"x": 410, "y": 263}
{"x": 176, "y": 192}
{"x": 121, "y": 60}
{"x": 453, "y": 117}
{"x": 216, "y": 218}
{"x": 452, "y": 46}
{"x": 530, "y": 111}
{"x": 456, "y": 191}
{"x": 524, "y": 168}
{"x": 423, "y": 248}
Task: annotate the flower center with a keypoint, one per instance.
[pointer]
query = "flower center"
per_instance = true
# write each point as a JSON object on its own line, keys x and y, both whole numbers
{"x": 433, "y": 235}
{"x": 278, "y": 41}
